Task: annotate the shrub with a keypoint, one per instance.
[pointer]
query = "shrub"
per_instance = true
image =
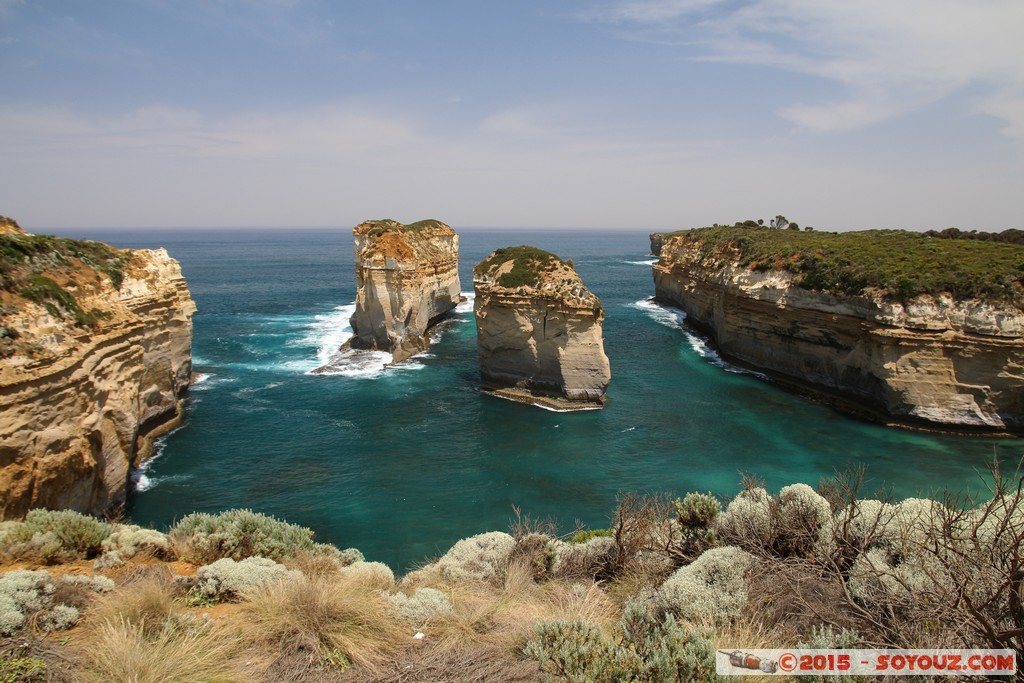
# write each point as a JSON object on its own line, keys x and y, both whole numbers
{"x": 586, "y": 535}
{"x": 424, "y": 605}
{"x": 583, "y": 560}
{"x": 696, "y": 515}
{"x": 24, "y": 593}
{"x": 58, "y": 618}
{"x": 712, "y": 590}
{"x": 226, "y": 578}
{"x": 238, "y": 534}
{"x": 477, "y": 558}
{"x": 644, "y": 648}
{"x": 53, "y": 536}
{"x": 750, "y": 521}
{"x": 802, "y": 512}
{"x": 697, "y": 510}
{"x": 130, "y": 540}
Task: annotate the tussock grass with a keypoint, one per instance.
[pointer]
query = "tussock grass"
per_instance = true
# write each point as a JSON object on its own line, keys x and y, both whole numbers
{"x": 321, "y": 617}
{"x": 147, "y": 602}
{"x": 503, "y": 617}
{"x": 120, "y": 651}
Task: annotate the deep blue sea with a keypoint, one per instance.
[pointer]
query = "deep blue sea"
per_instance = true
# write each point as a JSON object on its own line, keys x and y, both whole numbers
{"x": 402, "y": 462}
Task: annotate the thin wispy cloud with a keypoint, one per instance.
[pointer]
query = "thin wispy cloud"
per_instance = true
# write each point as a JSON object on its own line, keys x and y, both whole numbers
{"x": 319, "y": 132}
{"x": 891, "y": 57}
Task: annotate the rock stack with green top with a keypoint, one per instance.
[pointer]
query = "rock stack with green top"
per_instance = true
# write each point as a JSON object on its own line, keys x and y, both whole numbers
{"x": 539, "y": 336}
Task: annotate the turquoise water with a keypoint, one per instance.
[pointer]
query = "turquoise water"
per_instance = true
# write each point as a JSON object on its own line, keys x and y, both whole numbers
{"x": 403, "y": 462}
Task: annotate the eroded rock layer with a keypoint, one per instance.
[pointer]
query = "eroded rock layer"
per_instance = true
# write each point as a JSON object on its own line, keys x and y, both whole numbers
{"x": 539, "y": 331}
{"x": 933, "y": 362}
{"x": 407, "y": 279}
{"x": 95, "y": 352}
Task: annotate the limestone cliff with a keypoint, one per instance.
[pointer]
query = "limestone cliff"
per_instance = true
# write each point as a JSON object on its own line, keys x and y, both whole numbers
{"x": 539, "y": 334}
{"x": 927, "y": 360}
{"x": 95, "y": 351}
{"x": 407, "y": 279}
{"x": 658, "y": 240}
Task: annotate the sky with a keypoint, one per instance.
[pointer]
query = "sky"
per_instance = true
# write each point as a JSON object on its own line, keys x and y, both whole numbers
{"x": 647, "y": 114}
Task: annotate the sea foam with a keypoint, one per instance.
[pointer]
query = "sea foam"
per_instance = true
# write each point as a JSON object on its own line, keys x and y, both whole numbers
{"x": 676, "y": 319}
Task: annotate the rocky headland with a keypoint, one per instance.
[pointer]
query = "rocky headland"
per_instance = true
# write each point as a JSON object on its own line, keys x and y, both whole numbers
{"x": 95, "y": 352}
{"x": 407, "y": 279}
{"x": 894, "y": 326}
{"x": 539, "y": 331}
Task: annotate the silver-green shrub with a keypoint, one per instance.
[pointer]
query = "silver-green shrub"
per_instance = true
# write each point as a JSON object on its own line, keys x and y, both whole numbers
{"x": 828, "y": 638}
{"x": 803, "y": 513}
{"x": 749, "y": 521}
{"x": 423, "y": 606}
{"x": 97, "y": 584}
{"x": 58, "y": 618}
{"x": 26, "y": 592}
{"x": 54, "y": 536}
{"x": 477, "y": 558}
{"x": 646, "y": 647}
{"x": 227, "y": 578}
{"x": 238, "y": 534}
{"x": 710, "y": 590}
{"x": 23, "y": 592}
{"x": 130, "y": 540}
{"x": 698, "y": 510}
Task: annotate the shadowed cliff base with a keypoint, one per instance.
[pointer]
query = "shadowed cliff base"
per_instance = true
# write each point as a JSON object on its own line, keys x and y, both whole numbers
{"x": 558, "y": 404}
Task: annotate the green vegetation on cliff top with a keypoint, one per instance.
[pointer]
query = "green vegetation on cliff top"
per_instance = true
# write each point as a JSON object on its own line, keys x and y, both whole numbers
{"x": 379, "y": 227}
{"x": 904, "y": 264}
{"x": 29, "y": 265}
{"x": 529, "y": 263}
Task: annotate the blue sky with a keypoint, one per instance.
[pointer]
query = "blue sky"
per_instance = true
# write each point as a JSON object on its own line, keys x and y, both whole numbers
{"x": 654, "y": 114}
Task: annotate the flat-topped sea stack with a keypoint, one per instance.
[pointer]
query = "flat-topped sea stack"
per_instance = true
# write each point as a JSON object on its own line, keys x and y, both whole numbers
{"x": 539, "y": 336}
{"x": 407, "y": 279}
{"x": 899, "y": 327}
{"x": 95, "y": 352}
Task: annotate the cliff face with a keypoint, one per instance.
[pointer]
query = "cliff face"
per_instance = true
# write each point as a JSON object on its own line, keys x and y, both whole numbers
{"x": 89, "y": 372}
{"x": 407, "y": 279}
{"x": 933, "y": 362}
{"x": 539, "y": 334}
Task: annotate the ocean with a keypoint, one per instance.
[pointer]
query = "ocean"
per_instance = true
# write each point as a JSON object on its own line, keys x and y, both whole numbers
{"x": 404, "y": 461}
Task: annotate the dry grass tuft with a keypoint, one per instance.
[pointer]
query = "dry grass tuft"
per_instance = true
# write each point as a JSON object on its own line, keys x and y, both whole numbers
{"x": 120, "y": 651}
{"x": 148, "y": 601}
{"x": 322, "y": 618}
{"x": 502, "y": 618}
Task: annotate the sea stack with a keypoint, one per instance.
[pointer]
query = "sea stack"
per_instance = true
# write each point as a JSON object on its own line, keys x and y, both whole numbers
{"x": 95, "y": 353}
{"x": 539, "y": 335}
{"x": 893, "y": 326}
{"x": 407, "y": 279}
